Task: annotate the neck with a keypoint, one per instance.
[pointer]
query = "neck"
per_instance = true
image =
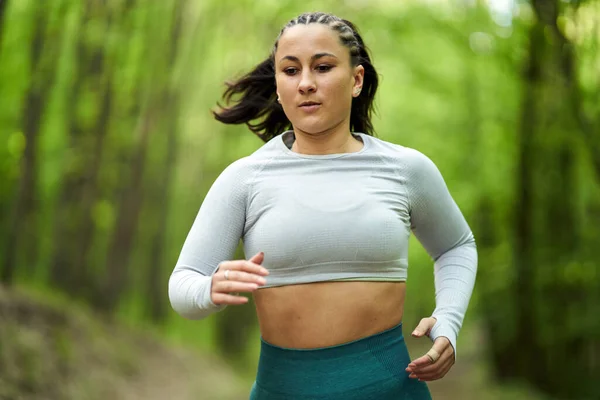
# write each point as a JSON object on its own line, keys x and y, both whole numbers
{"x": 332, "y": 141}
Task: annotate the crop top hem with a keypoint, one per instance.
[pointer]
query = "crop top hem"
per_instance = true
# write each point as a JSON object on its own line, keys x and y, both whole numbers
{"x": 386, "y": 270}
{"x": 278, "y": 280}
{"x": 345, "y": 279}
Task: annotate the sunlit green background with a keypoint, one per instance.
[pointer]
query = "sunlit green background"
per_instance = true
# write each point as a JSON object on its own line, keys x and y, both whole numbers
{"x": 108, "y": 145}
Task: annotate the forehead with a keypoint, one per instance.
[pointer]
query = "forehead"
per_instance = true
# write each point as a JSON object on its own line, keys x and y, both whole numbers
{"x": 306, "y": 40}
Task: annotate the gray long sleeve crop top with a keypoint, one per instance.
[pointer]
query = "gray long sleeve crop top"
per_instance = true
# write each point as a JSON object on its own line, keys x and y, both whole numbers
{"x": 330, "y": 217}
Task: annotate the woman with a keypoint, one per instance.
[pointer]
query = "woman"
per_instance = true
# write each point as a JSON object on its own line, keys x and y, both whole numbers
{"x": 326, "y": 210}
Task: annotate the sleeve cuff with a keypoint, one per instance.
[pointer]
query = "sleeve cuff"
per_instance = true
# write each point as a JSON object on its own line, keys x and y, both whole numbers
{"x": 204, "y": 299}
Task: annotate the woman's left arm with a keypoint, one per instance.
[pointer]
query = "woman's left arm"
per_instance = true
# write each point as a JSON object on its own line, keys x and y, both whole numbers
{"x": 441, "y": 228}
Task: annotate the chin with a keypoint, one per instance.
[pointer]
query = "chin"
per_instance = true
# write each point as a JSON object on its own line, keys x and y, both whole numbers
{"x": 312, "y": 128}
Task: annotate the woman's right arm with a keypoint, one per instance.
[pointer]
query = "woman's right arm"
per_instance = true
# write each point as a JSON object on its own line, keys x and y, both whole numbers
{"x": 209, "y": 246}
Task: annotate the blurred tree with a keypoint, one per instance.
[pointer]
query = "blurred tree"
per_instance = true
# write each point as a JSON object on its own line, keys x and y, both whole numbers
{"x": 115, "y": 273}
{"x": 111, "y": 146}
{"x": 548, "y": 229}
{"x": 87, "y": 127}
{"x": 3, "y": 6}
{"x": 22, "y": 226}
{"x": 168, "y": 105}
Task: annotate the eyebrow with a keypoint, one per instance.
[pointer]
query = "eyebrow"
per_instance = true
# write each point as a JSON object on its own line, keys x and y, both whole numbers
{"x": 313, "y": 58}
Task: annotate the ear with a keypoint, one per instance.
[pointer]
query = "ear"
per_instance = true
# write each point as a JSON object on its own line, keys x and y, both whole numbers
{"x": 359, "y": 79}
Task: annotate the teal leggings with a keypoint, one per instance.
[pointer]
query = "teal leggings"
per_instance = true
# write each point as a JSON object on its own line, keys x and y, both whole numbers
{"x": 367, "y": 368}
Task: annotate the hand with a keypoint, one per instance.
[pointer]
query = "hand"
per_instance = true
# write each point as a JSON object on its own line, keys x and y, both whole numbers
{"x": 242, "y": 276}
{"x": 427, "y": 367}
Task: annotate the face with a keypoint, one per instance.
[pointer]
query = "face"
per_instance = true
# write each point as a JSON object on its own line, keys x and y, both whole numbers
{"x": 314, "y": 77}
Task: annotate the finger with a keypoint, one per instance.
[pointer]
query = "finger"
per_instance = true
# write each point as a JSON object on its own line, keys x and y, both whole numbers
{"x": 432, "y": 377}
{"x": 424, "y": 327}
{"x": 233, "y": 286}
{"x": 258, "y": 258}
{"x": 436, "y": 370}
{"x": 419, "y": 363}
{"x": 445, "y": 361}
{"x": 245, "y": 265}
{"x": 439, "y": 346}
{"x": 241, "y": 276}
{"x": 438, "y": 373}
{"x": 440, "y": 365}
{"x": 229, "y": 299}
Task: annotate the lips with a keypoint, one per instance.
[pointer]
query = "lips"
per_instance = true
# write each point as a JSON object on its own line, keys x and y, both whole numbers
{"x": 309, "y": 103}
{"x": 310, "y": 106}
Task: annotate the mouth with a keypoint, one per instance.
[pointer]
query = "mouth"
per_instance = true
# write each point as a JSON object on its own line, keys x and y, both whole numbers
{"x": 309, "y": 104}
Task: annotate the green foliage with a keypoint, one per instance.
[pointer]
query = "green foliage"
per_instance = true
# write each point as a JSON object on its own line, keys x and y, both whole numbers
{"x": 124, "y": 141}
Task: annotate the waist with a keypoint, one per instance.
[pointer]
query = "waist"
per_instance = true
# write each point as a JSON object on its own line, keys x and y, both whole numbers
{"x": 351, "y": 348}
{"x": 327, "y": 313}
{"x": 370, "y": 367}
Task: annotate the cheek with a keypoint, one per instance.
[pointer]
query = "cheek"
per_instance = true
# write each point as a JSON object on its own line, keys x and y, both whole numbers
{"x": 285, "y": 87}
{"x": 338, "y": 88}
{"x": 339, "y": 95}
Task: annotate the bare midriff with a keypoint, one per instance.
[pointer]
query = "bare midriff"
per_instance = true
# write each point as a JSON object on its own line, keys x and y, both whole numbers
{"x": 325, "y": 314}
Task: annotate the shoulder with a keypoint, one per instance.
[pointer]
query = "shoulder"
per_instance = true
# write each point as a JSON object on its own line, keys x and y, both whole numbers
{"x": 243, "y": 170}
{"x": 407, "y": 159}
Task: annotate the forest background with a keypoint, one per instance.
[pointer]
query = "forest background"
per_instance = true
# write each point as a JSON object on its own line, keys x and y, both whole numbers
{"x": 108, "y": 146}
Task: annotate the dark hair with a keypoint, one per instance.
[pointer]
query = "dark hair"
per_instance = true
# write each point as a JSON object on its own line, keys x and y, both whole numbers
{"x": 258, "y": 89}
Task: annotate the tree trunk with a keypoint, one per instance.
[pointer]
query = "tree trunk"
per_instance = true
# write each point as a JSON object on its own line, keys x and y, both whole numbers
{"x": 74, "y": 225}
{"x": 117, "y": 262}
{"x": 523, "y": 239}
{"x": 546, "y": 229}
{"x": 3, "y": 7}
{"x": 86, "y": 283}
{"x": 23, "y": 216}
{"x": 156, "y": 288}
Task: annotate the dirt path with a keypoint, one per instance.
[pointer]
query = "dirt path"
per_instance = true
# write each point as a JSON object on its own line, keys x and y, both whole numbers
{"x": 54, "y": 351}
{"x": 181, "y": 375}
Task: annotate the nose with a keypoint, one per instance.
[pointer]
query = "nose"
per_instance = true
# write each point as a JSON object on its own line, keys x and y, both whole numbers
{"x": 307, "y": 83}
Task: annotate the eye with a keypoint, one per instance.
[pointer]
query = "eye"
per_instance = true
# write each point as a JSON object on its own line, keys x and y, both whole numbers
{"x": 324, "y": 68}
{"x": 290, "y": 71}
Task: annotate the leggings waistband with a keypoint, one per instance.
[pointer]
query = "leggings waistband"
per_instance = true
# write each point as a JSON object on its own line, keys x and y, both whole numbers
{"x": 372, "y": 367}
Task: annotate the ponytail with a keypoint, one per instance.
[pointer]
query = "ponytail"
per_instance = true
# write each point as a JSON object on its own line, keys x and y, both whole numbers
{"x": 258, "y": 99}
